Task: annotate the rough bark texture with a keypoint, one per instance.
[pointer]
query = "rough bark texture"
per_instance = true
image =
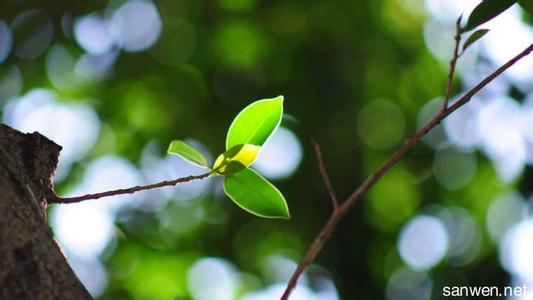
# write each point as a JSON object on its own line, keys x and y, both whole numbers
{"x": 31, "y": 263}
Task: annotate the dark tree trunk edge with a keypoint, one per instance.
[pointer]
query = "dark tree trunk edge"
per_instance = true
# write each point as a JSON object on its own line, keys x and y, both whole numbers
{"x": 32, "y": 265}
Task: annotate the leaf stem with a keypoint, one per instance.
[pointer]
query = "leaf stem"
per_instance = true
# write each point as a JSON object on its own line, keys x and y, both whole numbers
{"x": 357, "y": 195}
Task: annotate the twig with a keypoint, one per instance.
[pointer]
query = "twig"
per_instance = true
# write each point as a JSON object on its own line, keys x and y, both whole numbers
{"x": 129, "y": 190}
{"x": 453, "y": 62}
{"x": 325, "y": 175}
{"x": 356, "y": 196}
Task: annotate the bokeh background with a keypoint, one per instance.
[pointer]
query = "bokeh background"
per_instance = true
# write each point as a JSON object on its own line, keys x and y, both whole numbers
{"x": 114, "y": 82}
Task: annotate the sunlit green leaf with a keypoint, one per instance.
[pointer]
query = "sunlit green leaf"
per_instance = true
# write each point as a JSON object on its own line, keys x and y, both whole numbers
{"x": 474, "y": 37}
{"x": 485, "y": 11}
{"x": 187, "y": 152}
{"x": 256, "y": 195}
{"x": 235, "y": 159}
{"x": 255, "y": 123}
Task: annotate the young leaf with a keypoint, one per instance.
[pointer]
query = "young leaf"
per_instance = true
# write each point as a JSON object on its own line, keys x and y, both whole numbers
{"x": 255, "y": 194}
{"x": 235, "y": 159}
{"x": 187, "y": 152}
{"x": 474, "y": 37}
{"x": 485, "y": 11}
{"x": 255, "y": 123}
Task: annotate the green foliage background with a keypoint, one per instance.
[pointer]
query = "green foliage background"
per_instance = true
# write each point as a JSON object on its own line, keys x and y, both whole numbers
{"x": 329, "y": 59}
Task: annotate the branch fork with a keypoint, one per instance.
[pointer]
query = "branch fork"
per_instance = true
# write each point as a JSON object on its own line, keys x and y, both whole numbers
{"x": 339, "y": 210}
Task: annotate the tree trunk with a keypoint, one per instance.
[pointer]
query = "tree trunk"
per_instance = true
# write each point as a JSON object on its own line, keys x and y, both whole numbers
{"x": 31, "y": 263}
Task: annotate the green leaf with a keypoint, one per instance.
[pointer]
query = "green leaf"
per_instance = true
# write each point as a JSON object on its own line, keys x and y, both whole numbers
{"x": 485, "y": 11}
{"x": 256, "y": 195}
{"x": 187, "y": 152}
{"x": 474, "y": 37}
{"x": 527, "y": 5}
{"x": 255, "y": 123}
{"x": 235, "y": 159}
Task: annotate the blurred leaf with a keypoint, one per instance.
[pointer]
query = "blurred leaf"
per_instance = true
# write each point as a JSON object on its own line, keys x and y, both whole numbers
{"x": 474, "y": 37}
{"x": 164, "y": 275}
{"x": 527, "y": 5}
{"x": 235, "y": 159}
{"x": 393, "y": 200}
{"x": 256, "y": 195}
{"x": 485, "y": 11}
{"x": 239, "y": 44}
{"x": 255, "y": 123}
{"x": 187, "y": 152}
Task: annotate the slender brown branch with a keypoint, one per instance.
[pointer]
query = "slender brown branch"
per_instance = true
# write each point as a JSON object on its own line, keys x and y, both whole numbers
{"x": 325, "y": 175}
{"x": 357, "y": 195}
{"x": 130, "y": 190}
{"x": 453, "y": 62}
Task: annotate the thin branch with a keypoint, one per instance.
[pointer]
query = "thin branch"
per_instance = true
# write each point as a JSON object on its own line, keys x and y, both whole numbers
{"x": 453, "y": 62}
{"x": 357, "y": 195}
{"x": 129, "y": 190}
{"x": 325, "y": 175}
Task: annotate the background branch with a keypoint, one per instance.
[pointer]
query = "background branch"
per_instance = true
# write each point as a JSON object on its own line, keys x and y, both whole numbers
{"x": 453, "y": 62}
{"x": 356, "y": 196}
{"x": 325, "y": 175}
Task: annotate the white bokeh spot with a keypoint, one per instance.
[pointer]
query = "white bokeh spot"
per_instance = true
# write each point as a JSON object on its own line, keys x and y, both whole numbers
{"x": 423, "y": 242}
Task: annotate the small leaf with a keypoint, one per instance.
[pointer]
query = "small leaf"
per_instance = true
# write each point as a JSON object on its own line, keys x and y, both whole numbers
{"x": 474, "y": 37}
{"x": 255, "y": 123}
{"x": 235, "y": 159}
{"x": 485, "y": 11}
{"x": 187, "y": 152}
{"x": 256, "y": 195}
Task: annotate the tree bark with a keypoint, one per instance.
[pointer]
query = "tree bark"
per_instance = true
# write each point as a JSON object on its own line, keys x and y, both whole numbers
{"x": 31, "y": 263}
